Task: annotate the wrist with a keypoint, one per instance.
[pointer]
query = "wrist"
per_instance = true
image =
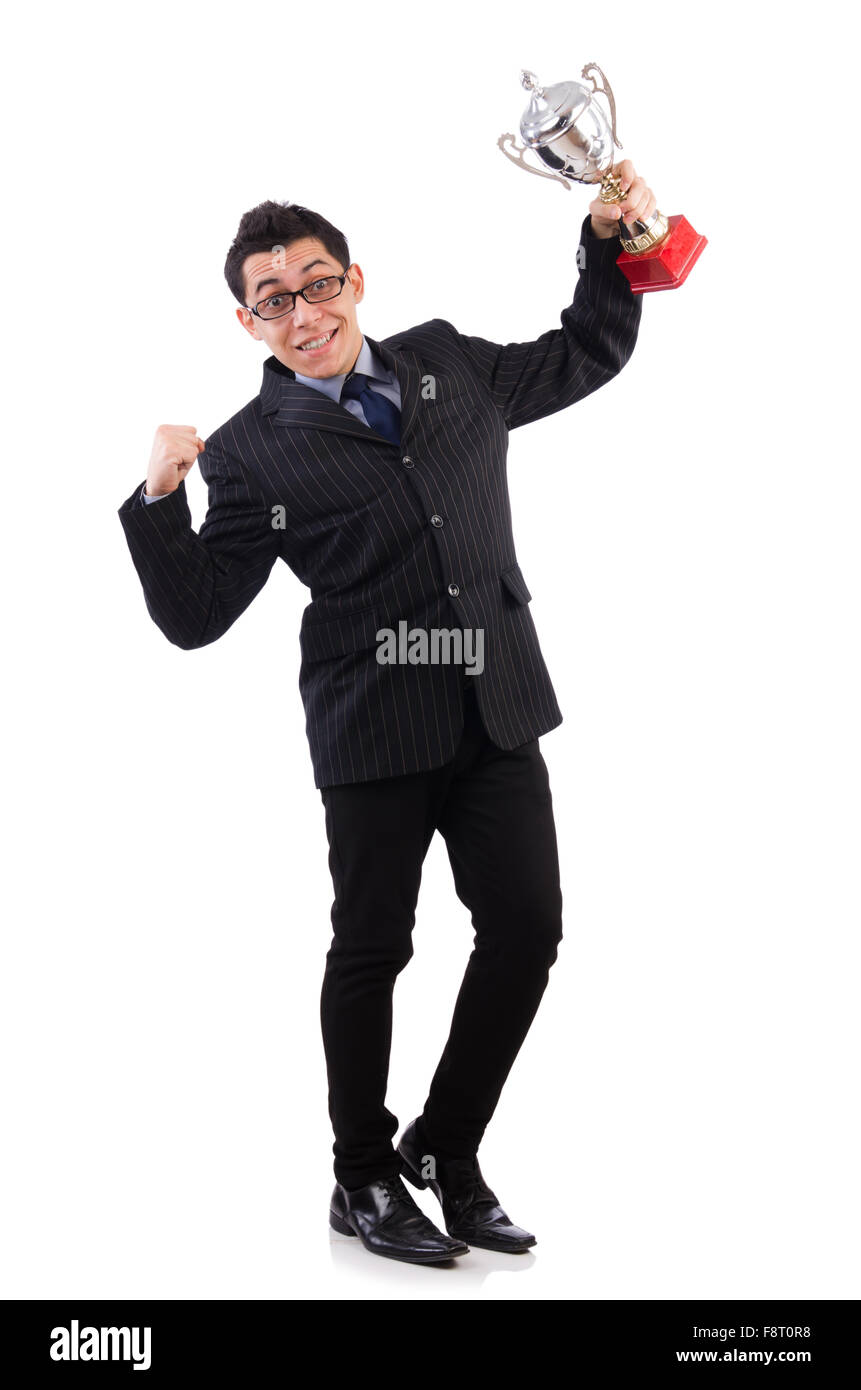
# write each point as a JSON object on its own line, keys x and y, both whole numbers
{"x": 604, "y": 229}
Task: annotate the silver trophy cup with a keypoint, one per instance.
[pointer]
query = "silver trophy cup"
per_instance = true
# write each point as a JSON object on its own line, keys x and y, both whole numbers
{"x": 572, "y": 136}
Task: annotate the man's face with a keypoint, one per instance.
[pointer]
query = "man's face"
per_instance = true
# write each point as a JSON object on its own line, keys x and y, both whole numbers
{"x": 294, "y": 268}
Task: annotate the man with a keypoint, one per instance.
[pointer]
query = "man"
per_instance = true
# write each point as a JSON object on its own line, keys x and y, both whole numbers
{"x": 376, "y": 471}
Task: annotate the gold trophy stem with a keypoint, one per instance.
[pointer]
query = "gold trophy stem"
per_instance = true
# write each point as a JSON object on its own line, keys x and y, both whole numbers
{"x": 653, "y": 232}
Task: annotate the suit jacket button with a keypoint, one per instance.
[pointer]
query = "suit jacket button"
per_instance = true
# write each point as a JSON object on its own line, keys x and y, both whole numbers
{"x": 436, "y": 520}
{"x": 453, "y": 590}
{"x": 407, "y": 461}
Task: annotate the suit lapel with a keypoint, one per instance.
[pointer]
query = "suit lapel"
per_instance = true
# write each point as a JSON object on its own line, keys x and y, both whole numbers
{"x": 293, "y": 405}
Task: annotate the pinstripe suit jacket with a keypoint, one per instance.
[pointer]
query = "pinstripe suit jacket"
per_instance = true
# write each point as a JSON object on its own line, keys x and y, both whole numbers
{"x": 357, "y": 511}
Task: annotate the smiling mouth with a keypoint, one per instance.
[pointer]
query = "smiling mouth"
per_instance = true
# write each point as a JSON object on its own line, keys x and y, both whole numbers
{"x": 319, "y": 343}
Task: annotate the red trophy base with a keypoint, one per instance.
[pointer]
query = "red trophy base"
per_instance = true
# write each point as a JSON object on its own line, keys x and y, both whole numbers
{"x": 668, "y": 264}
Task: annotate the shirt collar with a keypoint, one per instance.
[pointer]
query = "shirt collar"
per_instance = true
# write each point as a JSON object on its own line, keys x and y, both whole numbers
{"x": 373, "y": 359}
{"x": 367, "y": 362}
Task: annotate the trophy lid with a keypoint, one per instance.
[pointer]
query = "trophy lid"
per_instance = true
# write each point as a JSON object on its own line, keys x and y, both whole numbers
{"x": 551, "y": 110}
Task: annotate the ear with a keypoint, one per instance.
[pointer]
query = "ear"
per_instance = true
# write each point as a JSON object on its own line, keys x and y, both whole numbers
{"x": 357, "y": 280}
{"x": 249, "y": 323}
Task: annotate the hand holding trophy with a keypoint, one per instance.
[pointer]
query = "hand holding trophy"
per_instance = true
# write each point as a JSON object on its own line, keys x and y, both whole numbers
{"x": 638, "y": 203}
{"x": 573, "y": 138}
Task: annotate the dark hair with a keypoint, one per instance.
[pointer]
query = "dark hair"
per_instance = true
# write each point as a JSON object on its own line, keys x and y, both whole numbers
{"x": 277, "y": 224}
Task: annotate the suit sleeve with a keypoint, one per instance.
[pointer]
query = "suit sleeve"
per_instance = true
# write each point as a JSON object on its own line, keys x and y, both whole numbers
{"x": 196, "y": 584}
{"x": 599, "y": 329}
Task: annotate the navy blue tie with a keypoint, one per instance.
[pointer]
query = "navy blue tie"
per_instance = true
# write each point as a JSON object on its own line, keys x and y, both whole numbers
{"x": 380, "y": 413}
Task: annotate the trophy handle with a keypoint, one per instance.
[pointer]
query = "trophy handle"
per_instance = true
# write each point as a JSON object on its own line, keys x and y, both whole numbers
{"x": 606, "y": 90}
{"x": 518, "y": 159}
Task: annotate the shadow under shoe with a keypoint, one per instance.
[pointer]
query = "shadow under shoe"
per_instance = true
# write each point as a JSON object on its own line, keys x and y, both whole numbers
{"x": 388, "y": 1222}
{"x": 470, "y": 1209}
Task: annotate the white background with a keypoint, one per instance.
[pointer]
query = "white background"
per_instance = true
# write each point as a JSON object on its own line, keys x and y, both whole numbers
{"x": 682, "y": 1121}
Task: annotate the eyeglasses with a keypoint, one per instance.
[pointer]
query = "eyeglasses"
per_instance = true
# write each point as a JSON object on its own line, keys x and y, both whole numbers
{"x": 284, "y": 302}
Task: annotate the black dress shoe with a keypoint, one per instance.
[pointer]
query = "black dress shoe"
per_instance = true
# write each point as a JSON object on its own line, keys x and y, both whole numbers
{"x": 470, "y": 1210}
{"x": 388, "y": 1222}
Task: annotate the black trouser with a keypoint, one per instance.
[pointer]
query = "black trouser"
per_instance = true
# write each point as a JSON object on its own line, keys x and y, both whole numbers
{"x": 495, "y": 812}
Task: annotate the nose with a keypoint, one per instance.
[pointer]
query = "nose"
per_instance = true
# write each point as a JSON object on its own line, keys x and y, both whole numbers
{"x": 305, "y": 315}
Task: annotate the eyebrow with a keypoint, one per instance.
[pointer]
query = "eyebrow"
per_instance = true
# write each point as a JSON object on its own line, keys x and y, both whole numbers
{"x": 274, "y": 279}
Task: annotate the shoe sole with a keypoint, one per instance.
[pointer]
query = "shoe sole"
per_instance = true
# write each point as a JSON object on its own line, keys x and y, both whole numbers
{"x": 502, "y": 1249}
{"x": 345, "y": 1229}
{"x": 408, "y": 1172}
